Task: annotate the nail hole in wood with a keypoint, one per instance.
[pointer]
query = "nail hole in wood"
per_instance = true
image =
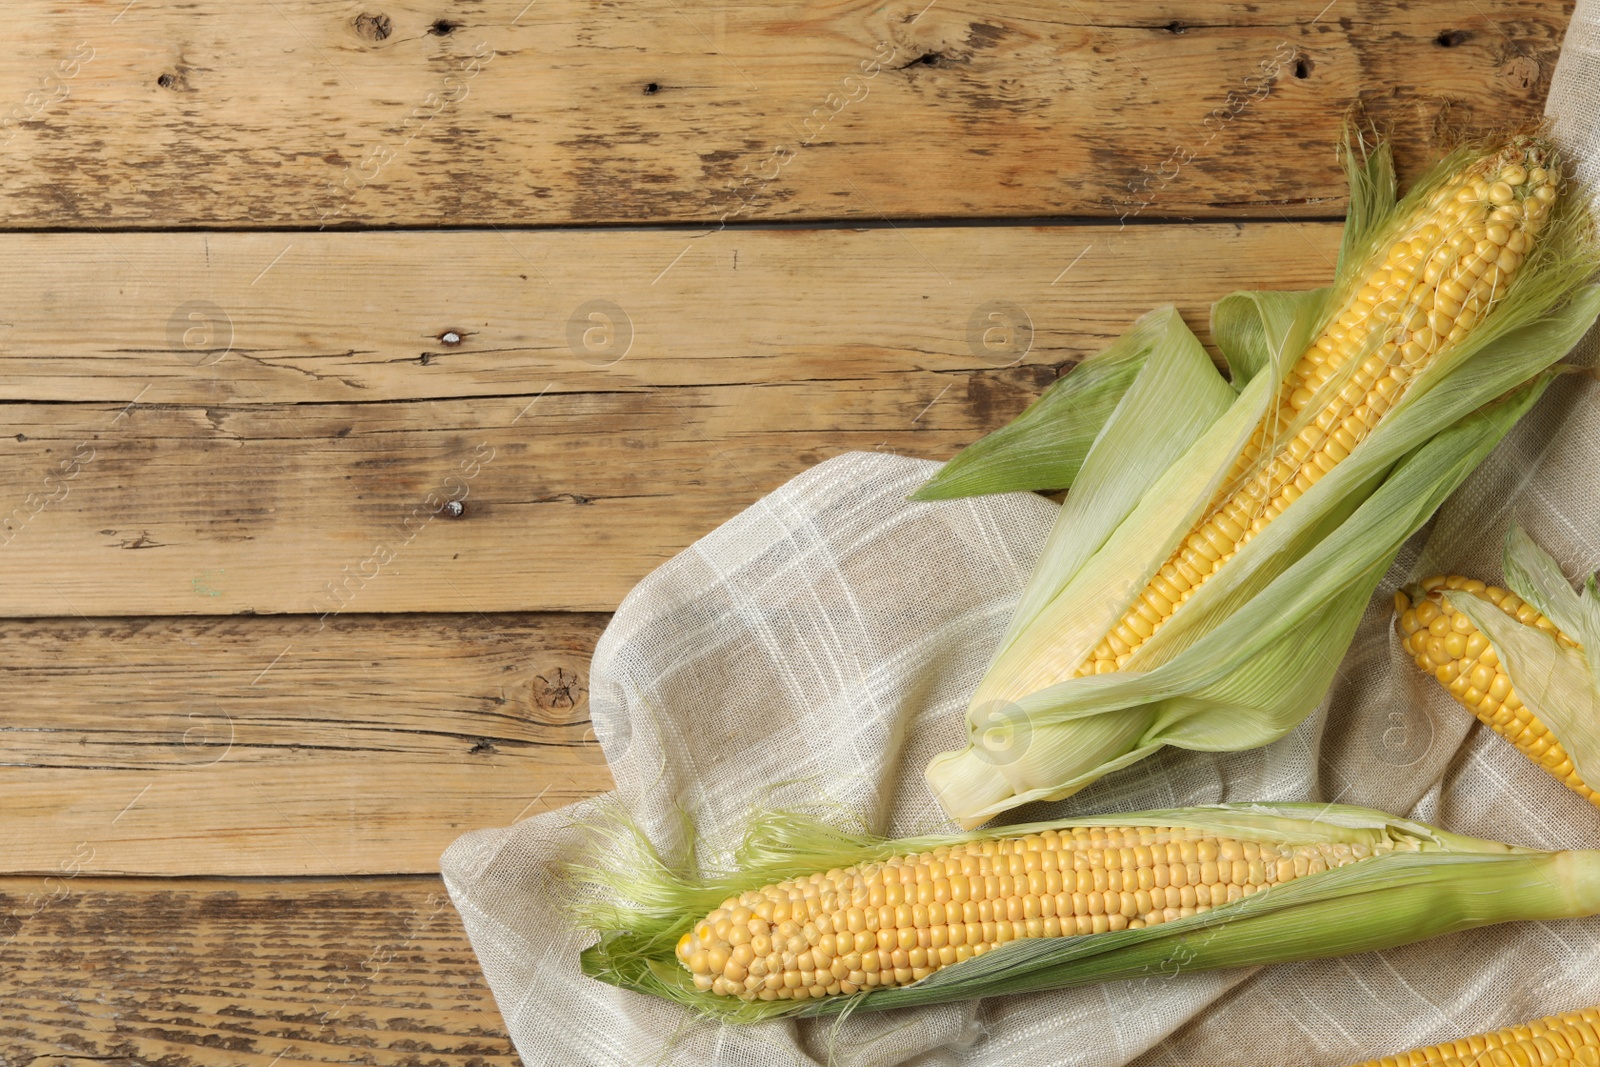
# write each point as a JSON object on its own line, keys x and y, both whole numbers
{"x": 1450, "y": 38}
{"x": 1302, "y": 67}
{"x": 443, "y": 27}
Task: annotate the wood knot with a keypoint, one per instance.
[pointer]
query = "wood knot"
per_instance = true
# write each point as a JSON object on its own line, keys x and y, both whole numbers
{"x": 1520, "y": 73}
{"x": 558, "y": 690}
{"x": 374, "y": 27}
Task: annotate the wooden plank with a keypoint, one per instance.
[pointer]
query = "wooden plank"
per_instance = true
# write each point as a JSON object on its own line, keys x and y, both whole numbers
{"x": 273, "y": 746}
{"x": 576, "y": 479}
{"x": 318, "y": 112}
{"x": 216, "y": 319}
{"x": 196, "y": 973}
{"x": 325, "y": 508}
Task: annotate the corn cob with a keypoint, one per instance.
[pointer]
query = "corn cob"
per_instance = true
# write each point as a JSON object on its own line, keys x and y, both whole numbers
{"x": 894, "y": 922}
{"x": 1451, "y": 265}
{"x": 1354, "y": 412}
{"x": 1572, "y": 1037}
{"x": 810, "y": 920}
{"x": 1446, "y": 644}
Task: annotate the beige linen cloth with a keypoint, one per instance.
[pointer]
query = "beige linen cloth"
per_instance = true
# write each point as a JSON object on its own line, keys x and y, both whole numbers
{"x": 831, "y": 634}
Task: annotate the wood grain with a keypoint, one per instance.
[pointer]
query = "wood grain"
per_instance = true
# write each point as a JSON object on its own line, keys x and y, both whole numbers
{"x": 270, "y": 746}
{"x": 397, "y": 113}
{"x": 249, "y": 974}
{"x": 576, "y": 479}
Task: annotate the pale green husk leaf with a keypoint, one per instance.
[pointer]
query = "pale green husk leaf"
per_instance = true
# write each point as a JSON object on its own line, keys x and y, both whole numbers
{"x": 1588, "y": 632}
{"x": 1423, "y": 882}
{"x": 1045, "y": 446}
{"x": 1535, "y": 576}
{"x": 1261, "y": 329}
{"x": 1555, "y": 683}
{"x": 1139, "y": 442}
{"x": 1068, "y": 613}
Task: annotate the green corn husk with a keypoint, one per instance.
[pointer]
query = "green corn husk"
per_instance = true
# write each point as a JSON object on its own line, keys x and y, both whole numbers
{"x": 1422, "y": 882}
{"x": 1251, "y": 652}
{"x": 1559, "y": 685}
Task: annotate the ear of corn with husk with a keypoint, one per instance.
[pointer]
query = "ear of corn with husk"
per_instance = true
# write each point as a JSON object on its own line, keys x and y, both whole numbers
{"x": 811, "y": 920}
{"x": 1571, "y": 1038}
{"x": 1221, "y": 539}
{"x": 1521, "y": 658}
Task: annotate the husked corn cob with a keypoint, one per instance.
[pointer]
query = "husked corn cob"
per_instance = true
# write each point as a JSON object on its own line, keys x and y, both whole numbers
{"x": 894, "y": 922}
{"x": 1571, "y": 1037}
{"x": 1446, "y": 644}
{"x": 1453, "y": 263}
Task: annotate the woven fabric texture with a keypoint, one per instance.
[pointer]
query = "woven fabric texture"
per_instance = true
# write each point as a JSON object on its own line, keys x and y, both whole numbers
{"x": 827, "y": 638}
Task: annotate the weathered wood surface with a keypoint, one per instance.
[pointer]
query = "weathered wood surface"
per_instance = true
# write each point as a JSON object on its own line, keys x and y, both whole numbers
{"x": 197, "y": 972}
{"x": 300, "y": 467}
{"x": 281, "y": 746}
{"x": 199, "y": 426}
{"x": 319, "y": 112}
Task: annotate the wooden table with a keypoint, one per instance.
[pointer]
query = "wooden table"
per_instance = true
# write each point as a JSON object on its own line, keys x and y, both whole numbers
{"x": 357, "y": 358}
